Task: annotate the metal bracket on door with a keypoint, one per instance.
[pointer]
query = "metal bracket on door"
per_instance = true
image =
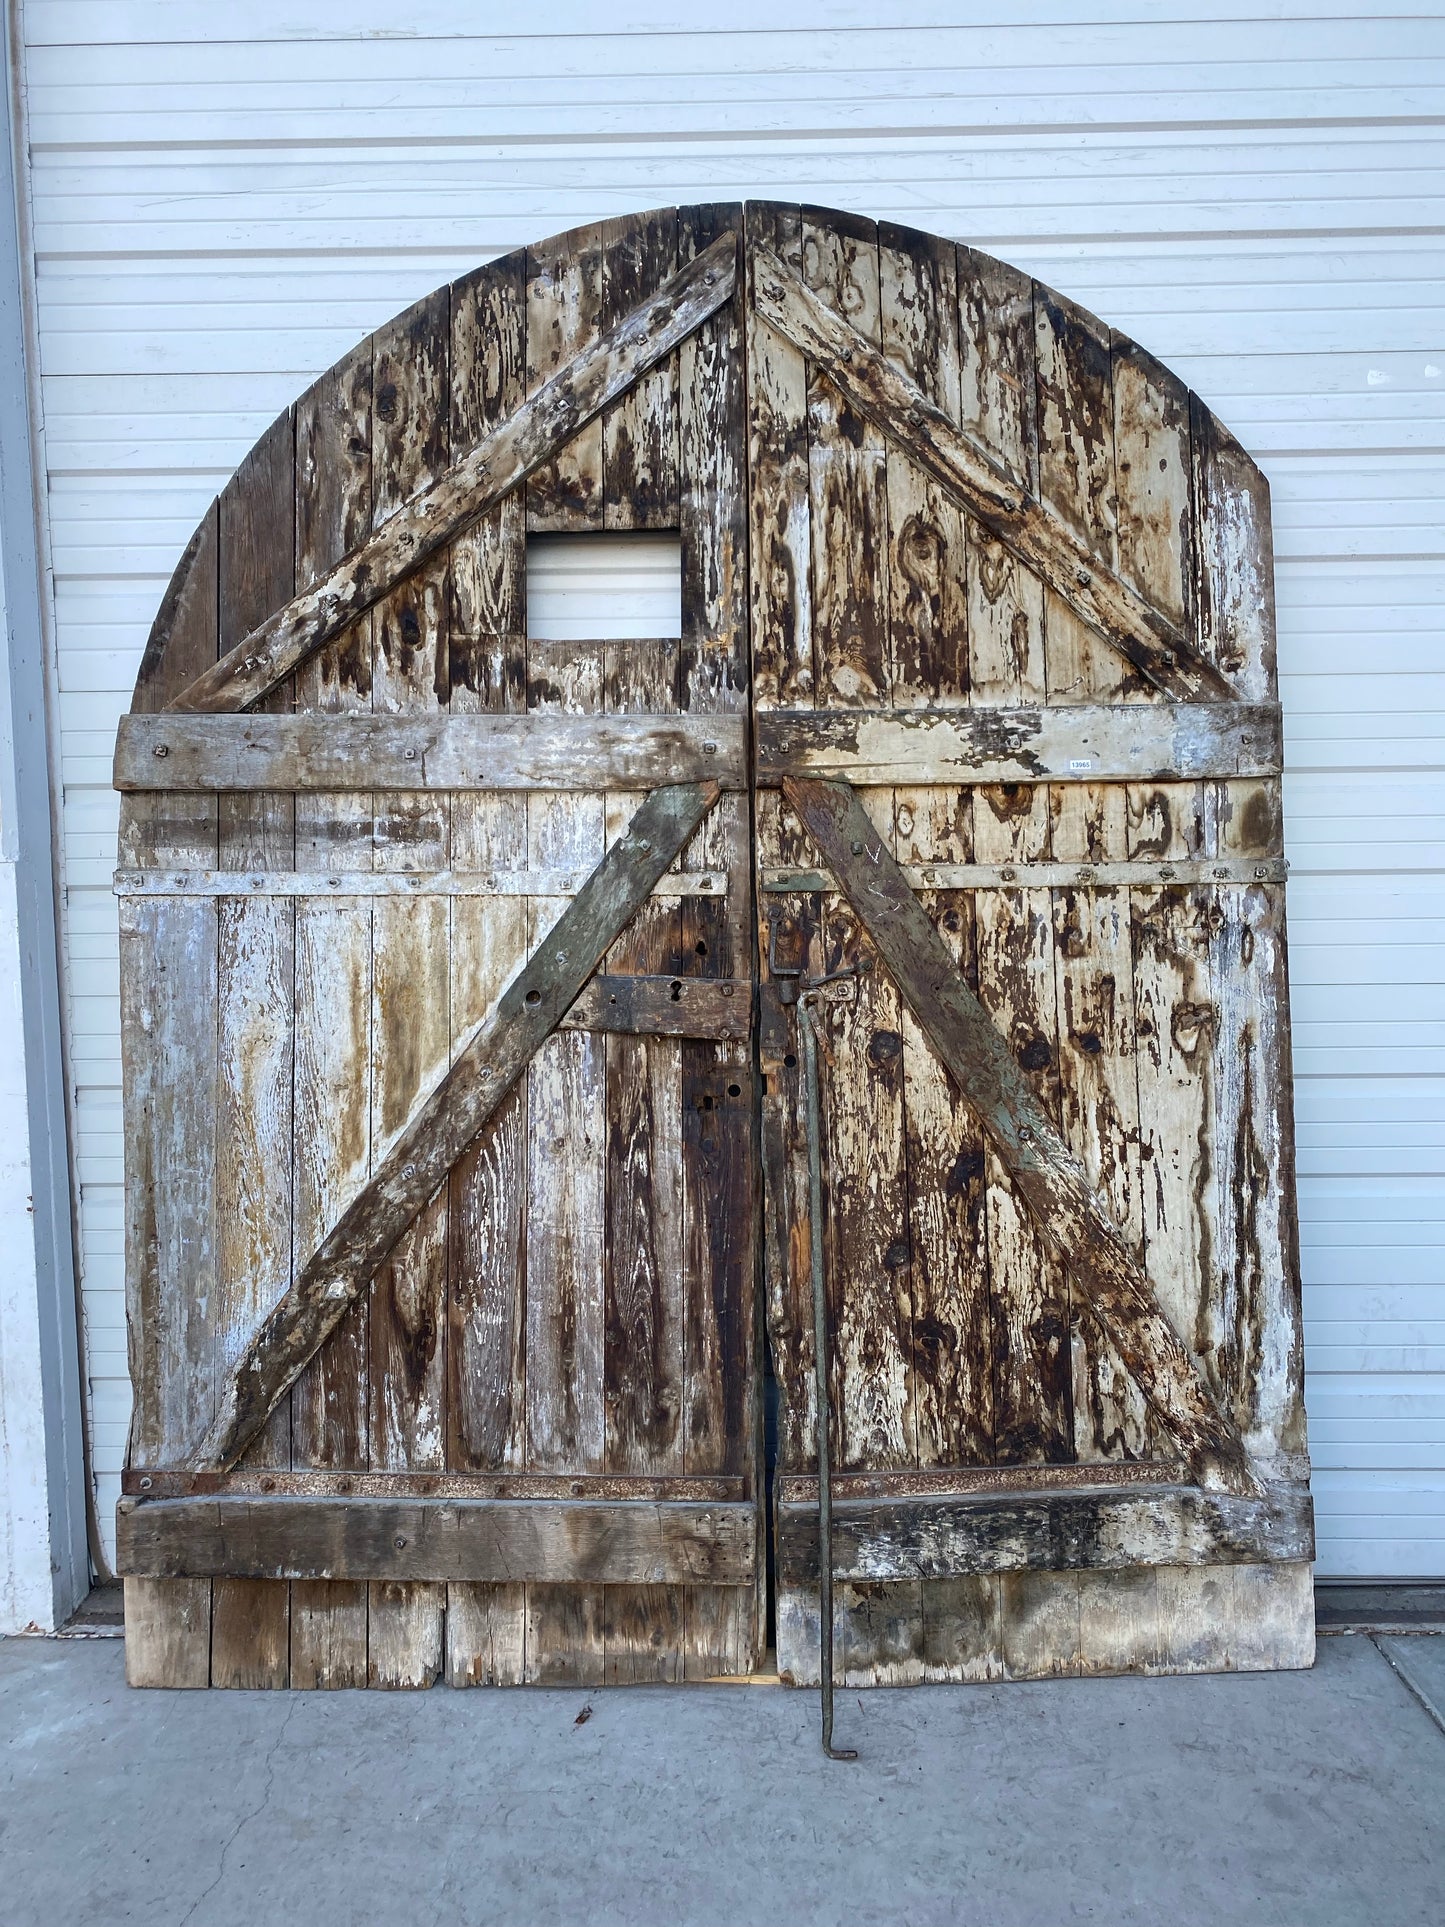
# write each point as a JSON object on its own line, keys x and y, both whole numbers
{"x": 838, "y": 987}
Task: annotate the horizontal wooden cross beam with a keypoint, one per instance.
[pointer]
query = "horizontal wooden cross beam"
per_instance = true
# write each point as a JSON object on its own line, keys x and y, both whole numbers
{"x": 1048, "y": 1177}
{"x": 940, "y": 1535}
{"x": 635, "y": 1542}
{"x": 1084, "y": 743}
{"x": 894, "y": 403}
{"x": 450, "y": 1116}
{"x": 310, "y": 751}
{"x": 543, "y": 424}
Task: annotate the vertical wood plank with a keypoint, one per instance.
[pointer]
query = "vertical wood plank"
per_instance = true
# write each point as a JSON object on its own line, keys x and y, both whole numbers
{"x": 1234, "y": 568}
{"x": 788, "y": 935}
{"x": 1172, "y": 935}
{"x": 487, "y": 658}
{"x": 1075, "y": 391}
{"x": 168, "y": 969}
{"x": 1152, "y": 471}
{"x": 168, "y": 1632}
{"x": 1033, "y": 1396}
{"x": 847, "y": 482}
{"x": 566, "y": 1197}
{"x": 721, "y": 1415}
{"x": 250, "y": 1637}
{"x": 951, "y": 1370}
{"x": 962, "y": 1628}
{"x": 781, "y": 571}
{"x": 328, "y": 1634}
{"x": 564, "y": 308}
{"x": 644, "y": 1240}
{"x": 643, "y": 1626}
{"x": 486, "y": 1635}
{"x": 411, "y": 1017}
{"x": 927, "y": 569}
{"x": 332, "y": 1103}
{"x": 1039, "y": 1614}
{"x": 997, "y": 403}
{"x": 639, "y": 432}
{"x": 1119, "y": 1622}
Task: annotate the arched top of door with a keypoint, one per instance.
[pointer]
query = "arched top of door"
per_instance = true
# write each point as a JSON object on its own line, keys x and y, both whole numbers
{"x": 1062, "y": 445}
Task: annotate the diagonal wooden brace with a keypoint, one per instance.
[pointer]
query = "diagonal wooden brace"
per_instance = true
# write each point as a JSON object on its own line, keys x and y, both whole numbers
{"x": 451, "y": 1115}
{"x": 1044, "y": 1170}
{"x": 544, "y": 423}
{"x": 894, "y": 403}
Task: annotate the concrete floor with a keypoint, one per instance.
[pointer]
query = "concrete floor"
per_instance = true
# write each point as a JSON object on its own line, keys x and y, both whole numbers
{"x": 1303, "y": 1799}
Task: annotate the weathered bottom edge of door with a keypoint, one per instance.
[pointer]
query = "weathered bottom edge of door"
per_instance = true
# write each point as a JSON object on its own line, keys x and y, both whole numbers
{"x": 1144, "y": 1621}
{"x": 318, "y": 1633}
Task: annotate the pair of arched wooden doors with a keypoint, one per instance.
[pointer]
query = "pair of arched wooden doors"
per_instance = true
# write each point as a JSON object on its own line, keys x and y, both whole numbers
{"x": 467, "y": 1183}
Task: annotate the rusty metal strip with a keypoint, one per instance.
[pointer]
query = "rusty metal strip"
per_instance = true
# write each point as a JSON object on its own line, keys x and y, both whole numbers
{"x": 894, "y": 403}
{"x": 544, "y": 423}
{"x": 450, "y": 1116}
{"x": 1052, "y": 876}
{"x": 1045, "y": 1172}
{"x": 179, "y": 1482}
{"x": 943, "y": 1481}
{"x": 392, "y": 883}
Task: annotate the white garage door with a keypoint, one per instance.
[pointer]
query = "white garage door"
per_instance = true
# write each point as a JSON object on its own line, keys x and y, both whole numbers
{"x": 216, "y": 219}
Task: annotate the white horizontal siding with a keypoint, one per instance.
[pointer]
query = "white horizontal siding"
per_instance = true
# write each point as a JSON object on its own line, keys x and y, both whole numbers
{"x": 226, "y": 197}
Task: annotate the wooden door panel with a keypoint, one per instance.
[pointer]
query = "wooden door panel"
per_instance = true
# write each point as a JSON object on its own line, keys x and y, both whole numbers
{"x": 566, "y": 1322}
{"x": 1103, "y": 967}
{"x": 948, "y": 538}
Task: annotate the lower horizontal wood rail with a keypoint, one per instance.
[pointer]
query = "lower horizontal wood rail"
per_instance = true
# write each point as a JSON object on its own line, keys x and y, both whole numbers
{"x": 1106, "y": 1529}
{"x": 635, "y": 1542}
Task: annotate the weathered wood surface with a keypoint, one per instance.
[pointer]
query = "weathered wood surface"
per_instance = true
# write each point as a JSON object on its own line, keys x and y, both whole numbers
{"x": 410, "y": 1025}
{"x": 336, "y": 424}
{"x": 253, "y": 1202}
{"x": 1063, "y": 1625}
{"x": 936, "y": 1537}
{"x": 436, "y": 751}
{"x": 1121, "y": 923}
{"x": 583, "y": 1541}
{"x": 168, "y": 962}
{"x": 451, "y": 1115}
{"x": 1021, "y": 745}
{"x": 417, "y": 529}
{"x": 1048, "y": 1176}
{"x": 483, "y": 1340}
{"x": 886, "y": 397}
